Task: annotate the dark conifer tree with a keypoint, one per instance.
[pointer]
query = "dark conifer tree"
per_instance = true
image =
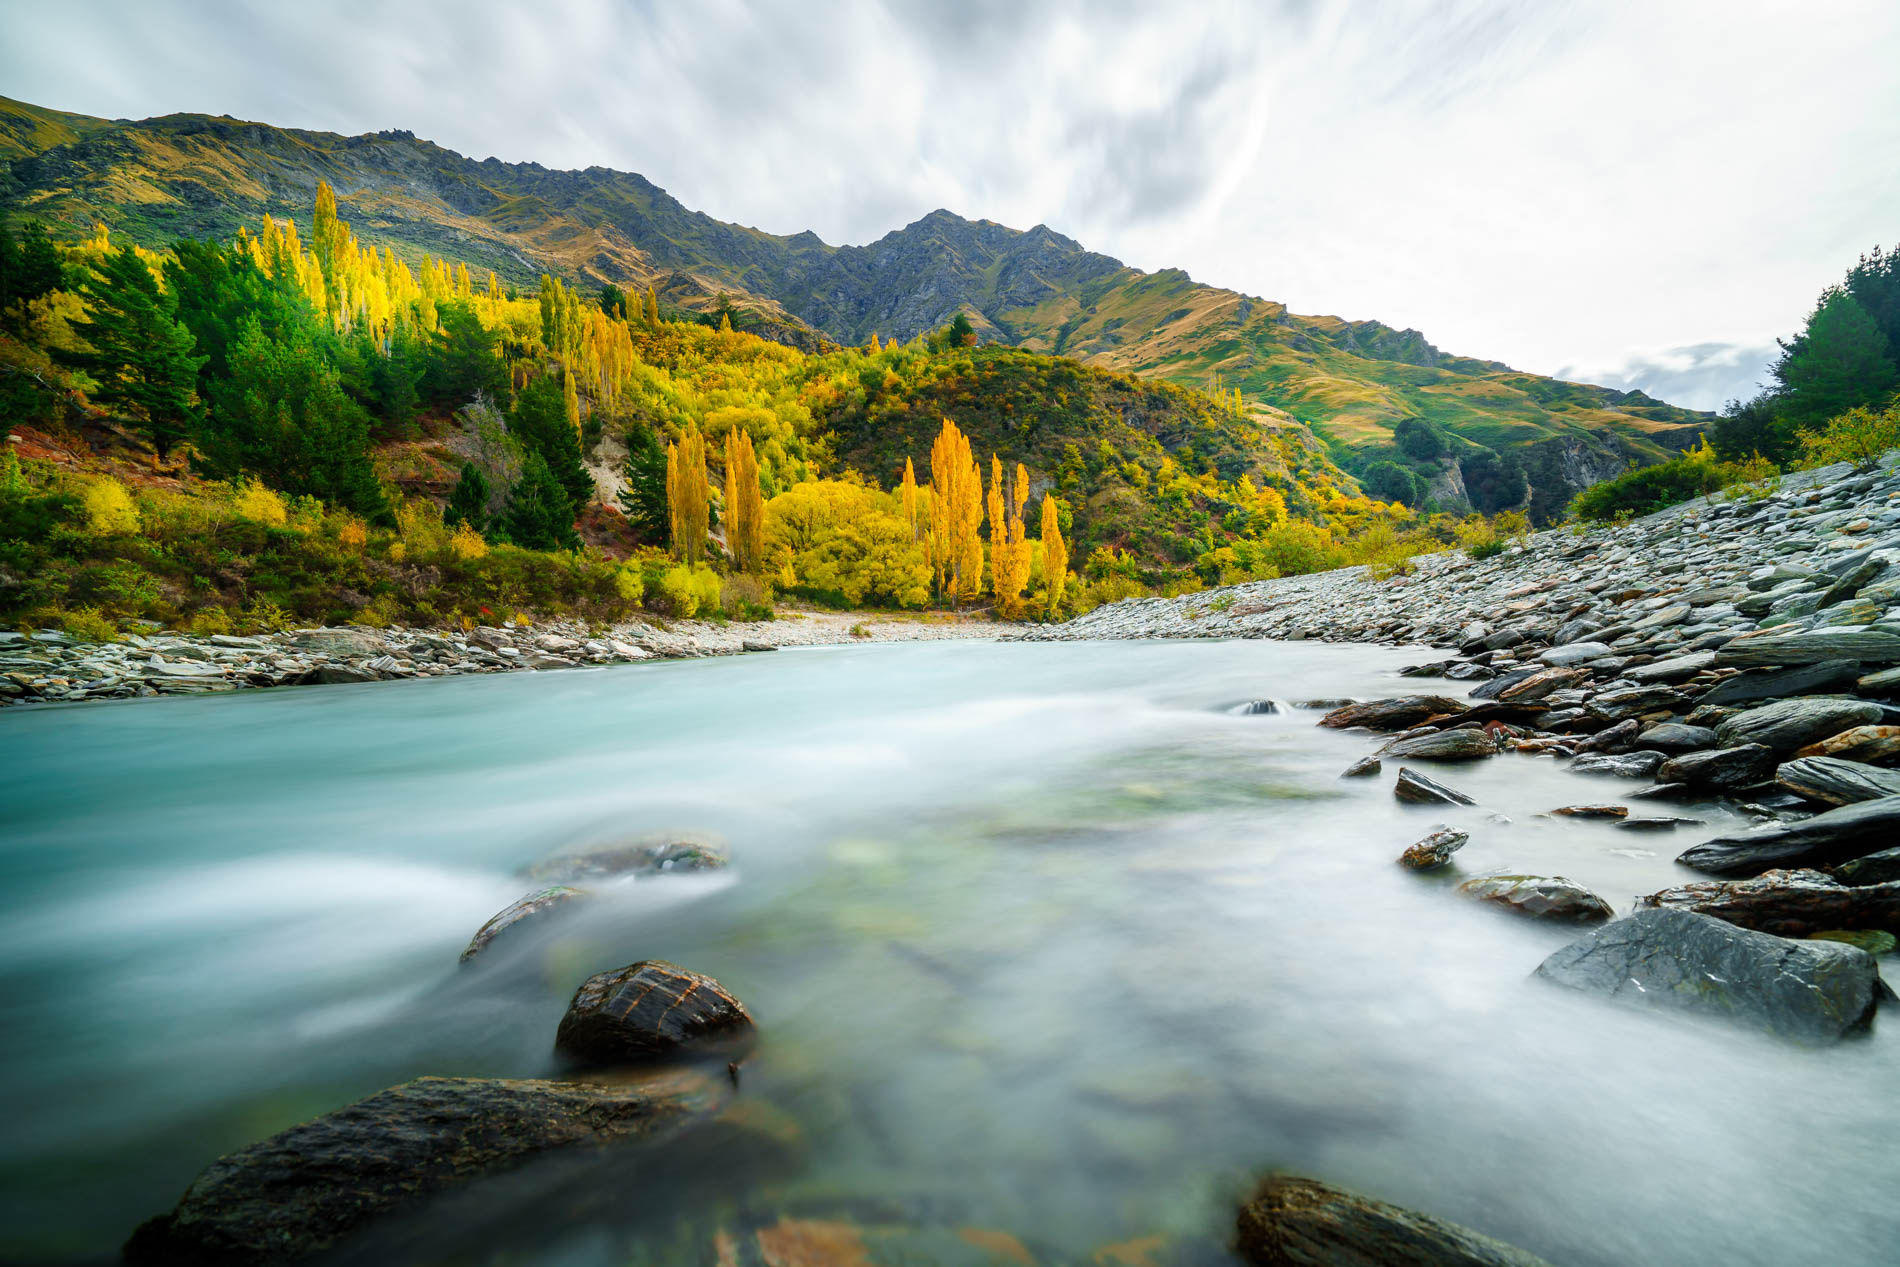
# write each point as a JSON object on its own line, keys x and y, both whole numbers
{"x": 538, "y": 515}
{"x": 140, "y": 355}
{"x": 468, "y": 503}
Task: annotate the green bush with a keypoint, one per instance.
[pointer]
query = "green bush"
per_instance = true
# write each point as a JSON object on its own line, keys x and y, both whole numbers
{"x": 1651, "y": 488}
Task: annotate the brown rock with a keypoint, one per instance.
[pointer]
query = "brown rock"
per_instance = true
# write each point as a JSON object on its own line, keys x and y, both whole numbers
{"x": 1295, "y": 1222}
{"x": 1786, "y": 903}
{"x": 650, "y": 1010}
{"x": 1540, "y": 897}
{"x": 1875, "y": 745}
{"x": 1434, "y": 851}
{"x": 1392, "y": 714}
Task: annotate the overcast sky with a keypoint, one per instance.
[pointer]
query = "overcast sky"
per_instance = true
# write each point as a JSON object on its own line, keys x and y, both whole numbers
{"x": 1642, "y": 192}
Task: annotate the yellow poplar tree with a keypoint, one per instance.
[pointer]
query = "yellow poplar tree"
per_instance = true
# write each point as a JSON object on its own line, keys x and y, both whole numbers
{"x": 652, "y": 312}
{"x": 688, "y": 499}
{"x": 1055, "y": 554}
{"x": 571, "y": 399}
{"x": 874, "y": 349}
{"x": 1009, "y": 552}
{"x": 910, "y": 497}
{"x": 745, "y": 504}
{"x": 956, "y": 516}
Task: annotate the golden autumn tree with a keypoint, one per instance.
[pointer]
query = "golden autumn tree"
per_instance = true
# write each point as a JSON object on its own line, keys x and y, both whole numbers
{"x": 956, "y": 516}
{"x": 873, "y": 347}
{"x": 688, "y": 499}
{"x": 1009, "y": 551}
{"x": 910, "y": 496}
{"x": 745, "y": 504}
{"x": 1055, "y": 554}
{"x": 571, "y": 400}
{"x": 651, "y": 310}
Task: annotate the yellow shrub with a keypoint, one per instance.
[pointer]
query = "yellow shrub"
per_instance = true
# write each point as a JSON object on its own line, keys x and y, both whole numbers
{"x": 109, "y": 508}
{"x": 353, "y": 534}
{"x": 467, "y": 545}
{"x": 259, "y": 505}
{"x": 629, "y": 583}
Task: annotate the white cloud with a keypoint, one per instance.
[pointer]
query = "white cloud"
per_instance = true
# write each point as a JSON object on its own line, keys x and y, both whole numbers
{"x": 1558, "y": 185}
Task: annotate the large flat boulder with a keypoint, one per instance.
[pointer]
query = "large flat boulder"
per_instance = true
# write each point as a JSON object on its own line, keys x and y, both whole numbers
{"x": 1808, "y": 991}
{"x": 1821, "y": 841}
{"x": 651, "y": 1010}
{"x": 1392, "y": 714}
{"x": 1290, "y": 1221}
{"x": 1794, "y": 723}
{"x": 1443, "y": 745}
{"x": 1720, "y": 769}
{"x": 1760, "y": 685}
{"x": 1833, "y": 781}
{"x": 1812, "y": 646}
{"x": 1786, "y": 903}
{"x": 303, "y": 1190}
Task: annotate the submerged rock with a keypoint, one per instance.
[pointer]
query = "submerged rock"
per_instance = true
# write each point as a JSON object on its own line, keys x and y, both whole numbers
{"x": 1802, "y": 990}
{"x": 647, "y": 857}
{"x": 1364, "y": 767}
{"x": 1415, "y": 787}
{"x": 1435, "y": 850}
{"x": 1291, "y": 1221}
{"x": 1593, "y": 811}
{"x": 1825, "y": 839}
{"x": 1786, "y": 903}
{"x": 304, "y": 1189}
{"x": 530, "y": 908}
{"x": 1392, "y": 714}
{"x": 650, "y": 1010}
{"x": 1540, "y": 897}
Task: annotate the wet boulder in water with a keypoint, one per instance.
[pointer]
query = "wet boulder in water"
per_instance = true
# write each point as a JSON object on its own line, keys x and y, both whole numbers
{"x": 1434, "y": 851}
{"x": 1824, "y": 840}
{"x": 1291, "y": 1221}
{"x": 530, "y": 909}
{"x": 1392, "y": 714}
{"x": 1809, "y": 991}
{"x": 303, "y": 1190}
{"x": 1256, "y": 708}
{"x": 1720, "y": 769}
{"x": 1364, "y": 767}
{"x": 646, "y": 857}
{"x": 1416, "y": 788}
{"x": 1443, "y": 745}
{"x": 1786, "y": 903}
{"x": 1873, "y": 868}
{"x": 1549, "y": 897}
{"x": 651, "y": 1010}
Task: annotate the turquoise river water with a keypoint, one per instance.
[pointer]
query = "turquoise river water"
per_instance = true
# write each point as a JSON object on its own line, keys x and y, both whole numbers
{"x": 1040, "y": 938}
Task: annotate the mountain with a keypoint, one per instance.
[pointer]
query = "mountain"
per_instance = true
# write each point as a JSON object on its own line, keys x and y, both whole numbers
{"x": 1351, "y": 382}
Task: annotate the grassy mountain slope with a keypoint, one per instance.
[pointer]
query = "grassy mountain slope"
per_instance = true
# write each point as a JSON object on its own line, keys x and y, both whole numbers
{"x": 1352, "y": 382}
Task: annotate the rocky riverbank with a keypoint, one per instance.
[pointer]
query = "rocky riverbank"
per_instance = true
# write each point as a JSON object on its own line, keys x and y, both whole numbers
{"x": 47, "y": 666}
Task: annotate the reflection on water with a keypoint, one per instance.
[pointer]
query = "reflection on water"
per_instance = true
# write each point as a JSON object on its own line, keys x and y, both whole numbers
{"x": 1042, "y": 938}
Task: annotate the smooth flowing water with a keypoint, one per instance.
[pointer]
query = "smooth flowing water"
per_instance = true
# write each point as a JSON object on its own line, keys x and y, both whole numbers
{"x": 1040, "y": 938}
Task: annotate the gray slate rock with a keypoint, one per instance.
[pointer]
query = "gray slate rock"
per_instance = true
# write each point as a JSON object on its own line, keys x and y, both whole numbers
{"x": 1769, "y": 684}
{"x": 1443, "y": 745}
{"x": 1576, "y": 653}
{"x": 1824, "y": 840}
{"x": 1415, "y": 787}
{"x": 1873, "y": 868}
{"x": 1675, "y": 669}
{"x": 1540, "y": 897}
{"x": 1794, "y": 723}
{"x": 1720, "y": 769}
{"x": 1626, "y": 765}
{"x": 1832, "y": 781}
{"x": 1675, "y": 737}
{"x": 1787, "y": 903}
{"x": 1808, "y": 991}
{"x": 1812, "y": 646}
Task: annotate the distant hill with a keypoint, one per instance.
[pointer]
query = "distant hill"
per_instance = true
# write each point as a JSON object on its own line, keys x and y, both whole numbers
{"x": 1351, "y": 382}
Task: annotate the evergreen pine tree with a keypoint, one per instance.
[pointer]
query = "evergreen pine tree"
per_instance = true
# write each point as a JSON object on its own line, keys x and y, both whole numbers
{"x": 644, "y": 498}
{"x": 538, "y": 515}
{"x": 1839, "y": 361}
{"x": 140, "y": 356}
{"x": 539, "y": 422}
{"x": 468, "y": 503}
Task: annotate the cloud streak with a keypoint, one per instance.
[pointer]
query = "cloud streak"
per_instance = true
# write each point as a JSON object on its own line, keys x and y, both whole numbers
{"x": 1559, "y": 185}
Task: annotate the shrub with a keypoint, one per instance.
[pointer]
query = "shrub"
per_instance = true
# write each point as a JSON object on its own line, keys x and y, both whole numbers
{"x": 109, "y": 509}
{"x": 252, "y": 501}
{"x": 352, "y": 534}
{"x": 687, "y": 590}
{"x": 468, "y": 545}
{"x": 87, "y": 624}
{"x": 1858, "y": 436}
{"x": 742, "y": 597}
{"x": 1652, "y": 488}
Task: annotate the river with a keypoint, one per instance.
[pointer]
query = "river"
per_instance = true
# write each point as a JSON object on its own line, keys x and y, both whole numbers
{"x": 1040, "y": 937}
